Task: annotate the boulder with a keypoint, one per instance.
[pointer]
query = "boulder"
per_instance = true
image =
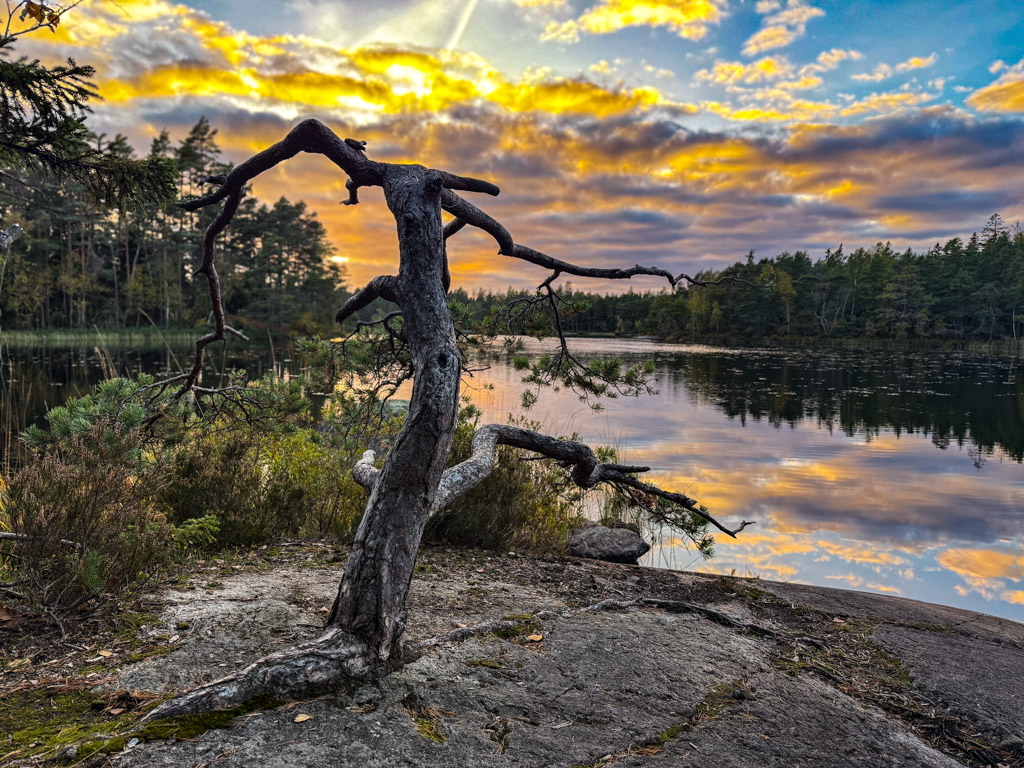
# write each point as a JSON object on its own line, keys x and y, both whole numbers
{"x": 614, "y": 545}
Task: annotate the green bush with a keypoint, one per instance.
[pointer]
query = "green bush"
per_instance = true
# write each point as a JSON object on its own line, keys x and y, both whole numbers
{"x": 261, "y": 485}
{"x": 521, "y": 505}
{"x": 84, "y": 519}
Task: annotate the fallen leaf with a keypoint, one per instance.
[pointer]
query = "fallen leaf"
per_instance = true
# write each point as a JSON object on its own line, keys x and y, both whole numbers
{"x": 302, "y": 718}
{"x": 105, "y": 654}
{"x": 535, "y": 638}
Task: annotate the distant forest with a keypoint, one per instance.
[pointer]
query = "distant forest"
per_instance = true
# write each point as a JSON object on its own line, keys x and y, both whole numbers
{"x": 83, "y": 264}
{"x": 970, "y": 290}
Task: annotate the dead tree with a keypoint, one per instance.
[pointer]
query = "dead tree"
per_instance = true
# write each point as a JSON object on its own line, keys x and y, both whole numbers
{"x": 363, "y": 635}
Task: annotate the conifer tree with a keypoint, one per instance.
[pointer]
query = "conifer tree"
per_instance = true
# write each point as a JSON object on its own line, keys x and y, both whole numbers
{"x": 42, "y": 121}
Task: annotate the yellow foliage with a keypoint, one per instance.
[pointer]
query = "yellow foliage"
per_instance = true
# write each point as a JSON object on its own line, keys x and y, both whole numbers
{"x": 41, "y": 14}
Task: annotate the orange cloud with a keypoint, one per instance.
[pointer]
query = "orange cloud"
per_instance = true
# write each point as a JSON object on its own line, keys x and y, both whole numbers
{"x": 860, "y": 554}
{"x": 983, "y": 563}
{"x": 885, "y": 588}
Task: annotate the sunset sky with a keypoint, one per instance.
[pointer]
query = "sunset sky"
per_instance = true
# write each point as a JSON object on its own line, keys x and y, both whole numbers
{"x": 680, "y": 133}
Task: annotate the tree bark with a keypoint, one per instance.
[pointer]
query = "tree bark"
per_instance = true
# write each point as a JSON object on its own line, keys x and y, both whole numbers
{"x": 372, "y": 594}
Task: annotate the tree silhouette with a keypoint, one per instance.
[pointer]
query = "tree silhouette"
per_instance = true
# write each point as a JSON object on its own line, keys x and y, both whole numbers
{"x": 363, "y": 636}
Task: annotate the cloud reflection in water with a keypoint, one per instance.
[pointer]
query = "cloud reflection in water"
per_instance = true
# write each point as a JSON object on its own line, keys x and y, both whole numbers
{"x": 891, "y": 472}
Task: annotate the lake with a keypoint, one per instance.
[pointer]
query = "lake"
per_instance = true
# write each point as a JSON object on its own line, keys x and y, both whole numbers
{"x": 886, "y": 471}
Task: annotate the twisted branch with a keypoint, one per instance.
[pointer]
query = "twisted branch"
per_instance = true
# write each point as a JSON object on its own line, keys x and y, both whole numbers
{"x": 586, "y": 470}
{"x": 381, "y": 287}
{"x": 467, "y": 213}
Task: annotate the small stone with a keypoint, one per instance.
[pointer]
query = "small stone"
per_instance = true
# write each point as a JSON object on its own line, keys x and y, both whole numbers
{"x": 68, "y": 753}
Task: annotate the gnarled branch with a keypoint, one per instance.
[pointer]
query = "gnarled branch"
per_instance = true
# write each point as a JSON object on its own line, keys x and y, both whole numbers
{"x": 9, "y": 235}
{"x": 381, "y": 287}
{"x": 468, "y": 213}
{"x": 365, "y": 473}
{"x": 586, "y": 470}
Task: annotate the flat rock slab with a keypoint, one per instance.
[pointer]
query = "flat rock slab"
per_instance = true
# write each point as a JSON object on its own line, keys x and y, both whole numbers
{"x": 866, "y": 605}
{"x": 596, "y": 683}
{"x": 219, "y": 630}
{"x": 980, "y": 681}
{"x": 789, "y": 723}
{"x": 613, "y": 687}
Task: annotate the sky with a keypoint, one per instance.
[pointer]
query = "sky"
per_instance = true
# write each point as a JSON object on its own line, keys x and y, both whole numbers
{"x": 674, "y": 133}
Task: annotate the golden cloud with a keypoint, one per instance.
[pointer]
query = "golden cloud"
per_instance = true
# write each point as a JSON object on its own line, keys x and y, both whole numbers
{"x": 983, "y": 563}
{"x": 731, "y": 72}
{"x": 782, "y": 28}
{"x": 861, "y": 554}
{"x": 831, "y": 59}
{"x": 300, "y": 72}
{"x": 884, "y": 71}
{"x": 687, "y": 18}
{"x": 1004, "y": 95}
{"x": 884, "y": 588}
{"x": 916, "y": 62}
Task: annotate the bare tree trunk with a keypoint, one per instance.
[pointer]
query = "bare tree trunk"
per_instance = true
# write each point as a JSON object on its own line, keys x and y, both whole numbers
{"x": 372, "y": 594}
{"x": 363, "y": 637}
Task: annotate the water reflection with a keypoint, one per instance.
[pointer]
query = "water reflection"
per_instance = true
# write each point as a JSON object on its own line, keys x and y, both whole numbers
{"x": 898, "y": 473}
{"x": 883, "y": 471}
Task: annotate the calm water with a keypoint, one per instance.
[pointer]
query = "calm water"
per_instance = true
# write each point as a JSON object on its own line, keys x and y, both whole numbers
{"x": 882, "y": 471}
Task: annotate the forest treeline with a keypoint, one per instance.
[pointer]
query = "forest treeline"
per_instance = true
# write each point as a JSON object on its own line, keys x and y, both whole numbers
{"x": 83, "y": 263}
{"x": 957, "y": 290}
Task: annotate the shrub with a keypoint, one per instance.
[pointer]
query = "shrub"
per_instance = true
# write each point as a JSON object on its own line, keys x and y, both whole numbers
{"x": 317, "y": 476}
{"x": 259, "y": 485}
{"x": 220, "y": 472}
{"x": 524, "y": 505}
{"x": 84, "y": 520}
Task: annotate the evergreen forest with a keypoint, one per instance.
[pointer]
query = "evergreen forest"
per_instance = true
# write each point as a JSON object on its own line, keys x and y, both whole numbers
{"x": 83, "y": 263}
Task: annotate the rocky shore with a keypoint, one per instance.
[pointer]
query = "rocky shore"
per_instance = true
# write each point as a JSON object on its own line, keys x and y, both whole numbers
{"x": 599, "y": 664}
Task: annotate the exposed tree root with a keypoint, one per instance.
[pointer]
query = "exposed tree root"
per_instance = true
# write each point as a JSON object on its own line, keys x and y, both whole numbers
{"x": 317, "y": 667}
{"x": 464, "y": 633}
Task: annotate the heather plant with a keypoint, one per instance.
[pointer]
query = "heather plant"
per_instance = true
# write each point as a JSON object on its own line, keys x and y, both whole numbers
{"x": 82, "y": 520}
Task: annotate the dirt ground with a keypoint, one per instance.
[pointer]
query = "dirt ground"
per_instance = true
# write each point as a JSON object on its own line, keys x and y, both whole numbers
{"x": 706, "y": 671}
